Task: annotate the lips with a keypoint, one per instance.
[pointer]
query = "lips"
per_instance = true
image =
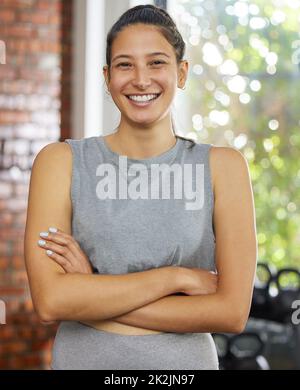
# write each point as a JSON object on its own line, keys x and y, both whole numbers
{"x": 144, "y": 94}
{"x": 143, "y": 103}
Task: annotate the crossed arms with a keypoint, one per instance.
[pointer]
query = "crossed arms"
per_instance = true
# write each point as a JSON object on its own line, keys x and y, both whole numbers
{"x": 144, "y": 299}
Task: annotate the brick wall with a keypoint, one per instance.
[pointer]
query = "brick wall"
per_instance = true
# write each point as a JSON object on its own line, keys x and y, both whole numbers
{"x": 34, "y": 111}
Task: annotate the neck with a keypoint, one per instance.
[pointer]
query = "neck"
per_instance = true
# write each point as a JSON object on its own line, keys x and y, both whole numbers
{"x": 142, "y": 143}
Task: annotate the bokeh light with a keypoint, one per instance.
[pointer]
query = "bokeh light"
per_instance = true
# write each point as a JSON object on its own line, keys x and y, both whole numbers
{"x": 245, "y": 57}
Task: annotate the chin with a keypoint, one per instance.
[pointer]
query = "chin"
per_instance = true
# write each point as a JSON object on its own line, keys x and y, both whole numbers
{"x": 142, "y": 122}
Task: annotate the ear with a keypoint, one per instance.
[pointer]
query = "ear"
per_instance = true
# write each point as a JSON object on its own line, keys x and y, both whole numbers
{"x": 106, "y": 74}
{"x": 182, "y": 73}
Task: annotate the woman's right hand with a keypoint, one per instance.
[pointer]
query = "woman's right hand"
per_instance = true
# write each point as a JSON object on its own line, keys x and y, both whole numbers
{"x": 198, "y": 281}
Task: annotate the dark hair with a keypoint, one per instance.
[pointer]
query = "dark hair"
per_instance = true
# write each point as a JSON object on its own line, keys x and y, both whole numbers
{"x": 152, "y": 15}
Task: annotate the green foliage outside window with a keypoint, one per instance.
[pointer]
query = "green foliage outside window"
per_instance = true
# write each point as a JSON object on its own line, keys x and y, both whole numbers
{"x": 243, "y": 91}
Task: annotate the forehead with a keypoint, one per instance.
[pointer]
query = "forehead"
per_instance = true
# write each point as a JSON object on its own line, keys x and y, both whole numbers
{"x": 139, "y": 40}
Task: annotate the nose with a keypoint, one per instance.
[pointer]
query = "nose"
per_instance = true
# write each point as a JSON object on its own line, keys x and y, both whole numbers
{"x": 141, "y": 79}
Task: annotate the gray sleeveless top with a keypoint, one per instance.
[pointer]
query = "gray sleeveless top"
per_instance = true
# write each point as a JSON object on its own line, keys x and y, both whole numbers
{"x": 124, "y": 225}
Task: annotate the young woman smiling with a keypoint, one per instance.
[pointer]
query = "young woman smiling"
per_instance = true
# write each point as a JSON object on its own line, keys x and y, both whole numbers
{"x": 139, "y": 283}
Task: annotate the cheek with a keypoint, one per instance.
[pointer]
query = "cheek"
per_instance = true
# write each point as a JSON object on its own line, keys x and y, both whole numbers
{"x": 117, "y": 86}
{"x": 119, "y": 82}
{"x": 166, "y": 80}
{"x": 169, "y": 86}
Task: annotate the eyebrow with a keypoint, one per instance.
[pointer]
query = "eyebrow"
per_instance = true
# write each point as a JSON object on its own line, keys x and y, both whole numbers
{"x": 148, "y": 55}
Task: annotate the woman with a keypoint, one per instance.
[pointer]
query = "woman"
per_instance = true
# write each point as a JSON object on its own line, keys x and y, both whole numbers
{"x": 130, "y": 268}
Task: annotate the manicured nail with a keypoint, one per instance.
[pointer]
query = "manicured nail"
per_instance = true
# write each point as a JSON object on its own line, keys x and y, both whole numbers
{"x": 52, "y": 229}
{"x": 49, "y": 253}
{"x": 42, "y": 242}
{"x": 44, "y": 234}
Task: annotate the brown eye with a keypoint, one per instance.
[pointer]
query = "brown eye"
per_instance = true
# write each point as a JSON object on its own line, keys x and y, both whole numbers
{"x": 123, "y": 64}
{"x": 158, "y": 62}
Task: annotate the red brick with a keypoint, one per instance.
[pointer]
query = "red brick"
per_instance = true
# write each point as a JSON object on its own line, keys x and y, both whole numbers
{"x": 37, "y": 75}
{"x": 15, "y": 363}
{"x": 19, "y": 278}
{"x": 53, "y": 6}
{"x": 35, "y": 17}
{"x": 18, "y": 363}
{"x": 38, "y": 345}
{"x": 13, "y": 305}
{"x": 7, "y": 15}
{"x": 18, "y": 248}
{"x": 5, "y": 219}
{"x": 4, "y": 263}
{"x": 17, "y": 86}
{"x": 25, "y": 333}
{"x": 49, "y": 34}
{"x": 55, "y": 20}
{"x": 41, "y": 333}
{"x": 18, "y": 262}
{"x": 8, "y": 73}
{"x": 19, "y": 31}
{"x": 21, "y": 4}
{"x": 17, "y": 319}
{"x": 13, "y": 117}
{"x": 4, "y": 363}
{"x": 11, "y": 233}
{"x": 32, "y": 361}
{"x": 13, "y": 347}
{"x": 11, "y": 291}
{"x": 35, "y": 321}
{"x": 18, "y": 46}
{"x": 6, "y": 333}
{"x": 30, "y": 29}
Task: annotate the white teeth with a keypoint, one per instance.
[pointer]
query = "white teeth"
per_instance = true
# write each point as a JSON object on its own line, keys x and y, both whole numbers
{"x": 144, "y": 98}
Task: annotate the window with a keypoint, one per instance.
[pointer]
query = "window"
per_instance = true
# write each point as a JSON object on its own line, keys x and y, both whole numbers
{"x": 243, "y": 91}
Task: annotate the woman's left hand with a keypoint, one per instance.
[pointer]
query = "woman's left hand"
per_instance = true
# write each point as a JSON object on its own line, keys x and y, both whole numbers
{"x": 65, "y": 250}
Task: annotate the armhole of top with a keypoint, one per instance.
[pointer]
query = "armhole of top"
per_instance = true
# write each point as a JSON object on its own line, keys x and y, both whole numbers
{"x": 75, "y": 180}
{"x": 211, "y": 189}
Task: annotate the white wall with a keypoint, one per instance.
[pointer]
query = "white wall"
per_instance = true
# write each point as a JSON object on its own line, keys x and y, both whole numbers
{"x": 78, "y": 72}
{"x": 88, "y": 37}
{"x": 133, "y": 3}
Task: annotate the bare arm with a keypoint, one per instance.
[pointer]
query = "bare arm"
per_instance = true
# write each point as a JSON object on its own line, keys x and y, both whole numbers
{"x": 199, "y": 314}
{"x": 60, "y": 296}
{"x": 236, "y": 252}
{"x": 89, "y": 297}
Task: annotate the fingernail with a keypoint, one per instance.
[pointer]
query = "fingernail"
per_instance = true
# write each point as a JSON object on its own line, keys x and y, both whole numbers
{"x": 52, "y": 229}
{"x": 41, "y": 242}
{"x": 49, "y": 252}
{"x": 44, "y": 234}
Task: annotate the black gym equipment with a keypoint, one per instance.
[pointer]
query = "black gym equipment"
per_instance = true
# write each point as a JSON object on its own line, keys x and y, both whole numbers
{"x": 262, "y": 346}
{"x": 240, "y": 352}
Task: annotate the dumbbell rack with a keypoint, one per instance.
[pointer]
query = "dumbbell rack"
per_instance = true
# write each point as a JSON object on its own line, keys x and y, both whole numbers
{"x": 272, "y": 306}
{"x": 280, "y": 340}
{"x": 270, "y": 313}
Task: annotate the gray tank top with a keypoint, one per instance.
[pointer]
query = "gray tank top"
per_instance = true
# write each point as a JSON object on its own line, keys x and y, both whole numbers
{"x": 123, "y": 228}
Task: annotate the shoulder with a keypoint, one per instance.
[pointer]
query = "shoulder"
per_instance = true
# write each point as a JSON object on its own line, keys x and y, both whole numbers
{"x": 220, "y": 155}
{"x": 55, "y": 155}
{"x": 57, "y": 148}
{"x": 226, "y": 161}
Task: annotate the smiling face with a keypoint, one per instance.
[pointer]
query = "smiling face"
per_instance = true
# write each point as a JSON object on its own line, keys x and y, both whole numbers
{"x": 136, "y": 71}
